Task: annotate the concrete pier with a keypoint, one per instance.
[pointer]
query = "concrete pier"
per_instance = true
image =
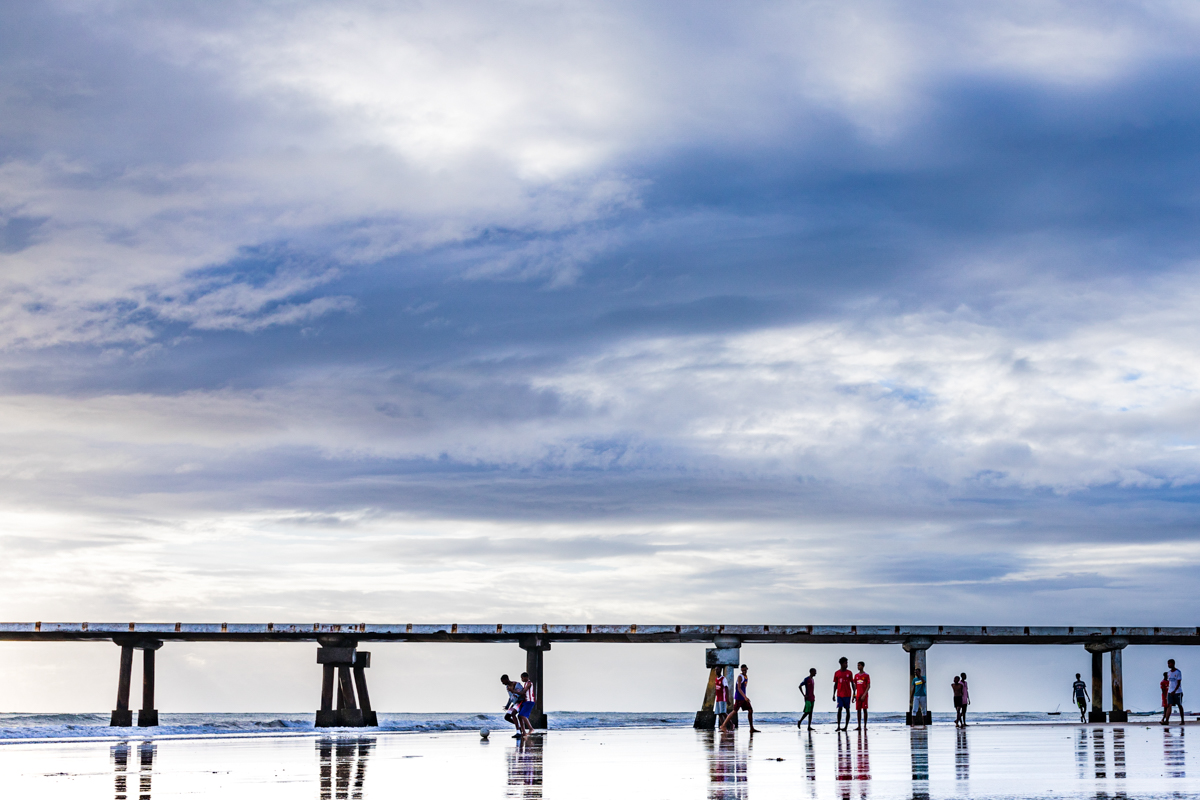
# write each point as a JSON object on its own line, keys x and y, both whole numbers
{"x": 345, "y": 700}
{"x": 916, "y": 649}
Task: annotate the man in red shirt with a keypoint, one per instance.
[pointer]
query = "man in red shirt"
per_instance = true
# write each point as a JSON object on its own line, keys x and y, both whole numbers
{"x": 843, "y": 689}
{"x": 862, "y": 685}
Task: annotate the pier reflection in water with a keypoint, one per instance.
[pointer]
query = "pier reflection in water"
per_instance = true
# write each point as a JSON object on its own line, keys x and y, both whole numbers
{"x": 343, "y": 766}
{"x": 525, "y": 763}
{"x": 124, "y": 777}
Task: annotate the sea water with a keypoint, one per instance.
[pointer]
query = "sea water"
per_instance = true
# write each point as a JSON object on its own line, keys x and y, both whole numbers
{"x": 593, "y": 756}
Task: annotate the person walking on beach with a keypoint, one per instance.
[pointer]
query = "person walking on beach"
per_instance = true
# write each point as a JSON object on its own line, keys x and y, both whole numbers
{"x": 809, "y": 687}
{"x": 1079, "y": 690}
{"x": 741, "y": 699}
{"x": 843, "y": 690}
{"x": 956, "y": 686}
{"x": 721, "y": 697}
{"x": 966, "y": 699}
{"x": 1174, "y": 692}
{"x": 862, "y": 685}
{"x": 512, "y": 708}
{"x": 919, "y": 702}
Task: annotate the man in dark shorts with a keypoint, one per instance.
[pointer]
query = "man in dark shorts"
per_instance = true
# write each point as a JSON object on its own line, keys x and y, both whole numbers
{"x": 843, "y": 690}
{"x": 809, "y": 687}
{"x": 741, "y": 699}
{"x": 862, "y": 685}
{"x": 957, "y": 687}
{"x": 1174, "y": 692}
{"x": 1080, "y": 693}
{"x": 966, "y": 698}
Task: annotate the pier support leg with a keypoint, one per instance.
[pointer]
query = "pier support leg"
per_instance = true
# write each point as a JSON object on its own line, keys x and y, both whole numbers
{"x": 535, "y": 647}
{"x": 148, "y": 715}
{"x": 706, "y": 718}
{"x": 1118, "y": 713}
{"x": 362, "y": 660}
{"x": 122, "y": 717}
{"x": 337, "y": 658}
{"x": 916, "y": 661}
{"x": 1097, "y": 713}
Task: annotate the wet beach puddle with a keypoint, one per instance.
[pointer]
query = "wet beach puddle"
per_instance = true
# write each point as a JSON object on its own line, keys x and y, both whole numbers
{"x": 889, "y": 761}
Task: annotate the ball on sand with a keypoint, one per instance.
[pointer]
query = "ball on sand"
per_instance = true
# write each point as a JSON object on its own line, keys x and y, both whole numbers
{"x": 484, "y": 733}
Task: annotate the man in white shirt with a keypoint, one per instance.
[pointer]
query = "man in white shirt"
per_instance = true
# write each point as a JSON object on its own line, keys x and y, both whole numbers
{"x": 1174, "y": 692}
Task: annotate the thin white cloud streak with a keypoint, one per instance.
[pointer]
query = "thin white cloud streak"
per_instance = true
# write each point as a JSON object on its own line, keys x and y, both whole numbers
{"x": 356, "y": 131}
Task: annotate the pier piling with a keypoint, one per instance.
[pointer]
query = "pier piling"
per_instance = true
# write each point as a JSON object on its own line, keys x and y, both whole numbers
{"x": 706, "y": 718}
{"x": 148, "y": 715}
{"x": 535, "y": 648}
{"x": 337, "y": 658}
{"x": 916, "y": 649}
{"x": 122, "y": 717}
{"x": 1097, "y": 713}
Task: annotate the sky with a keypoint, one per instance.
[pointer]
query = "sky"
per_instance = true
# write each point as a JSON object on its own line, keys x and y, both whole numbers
{"x": 783, "y": 313}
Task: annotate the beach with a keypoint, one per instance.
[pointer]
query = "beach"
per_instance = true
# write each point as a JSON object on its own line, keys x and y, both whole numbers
{"x": 993, "y": 760}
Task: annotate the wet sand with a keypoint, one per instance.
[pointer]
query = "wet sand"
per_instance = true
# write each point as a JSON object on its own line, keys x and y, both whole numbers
{"x": 890, "y": 761}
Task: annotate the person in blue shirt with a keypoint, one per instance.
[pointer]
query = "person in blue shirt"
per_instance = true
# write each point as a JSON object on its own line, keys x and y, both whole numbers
{"x": 919, "y": 698}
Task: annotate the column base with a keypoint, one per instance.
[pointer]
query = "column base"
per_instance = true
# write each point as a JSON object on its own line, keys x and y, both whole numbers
{"x": 539, "y": 721}
{"x": 326, "y": 719}
{"x": 1118, "y": 716}
{"x": 370, "y": 719}
{"x": 908, "y": 718}
{"x": 1097, "y": 716}
{"x": 928, "y": 717}
{"x": 148, "y": 718}
{"x": 121, "y": 719}
{"x": 705, "y": 720}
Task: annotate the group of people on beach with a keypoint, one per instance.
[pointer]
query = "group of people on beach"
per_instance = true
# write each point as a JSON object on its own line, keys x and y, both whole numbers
{"x": 522, "y": 698}
{"x": 856, "y": 686}
{"x": 1171, "y": 686}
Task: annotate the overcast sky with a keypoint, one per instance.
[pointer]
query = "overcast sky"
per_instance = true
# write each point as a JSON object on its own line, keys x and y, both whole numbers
{"x": 778, "y": 313}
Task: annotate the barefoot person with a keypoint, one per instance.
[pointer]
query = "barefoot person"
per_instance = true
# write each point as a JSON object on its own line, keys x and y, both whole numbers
{"x": 957, "y": 687}
{"x": 862, "y": 685}
{"x": 843, "y": 690}
{"x": 919, "y": 704}
{"x": 741, "y": 699}
{"x": 512, "y": 708}
{"x": 966, "y": 699}
{"x": 809, "y": 687}
{"x": 1080, "y": 692}
{"x": 1174, "y": 691}
{"x": 720, "y": 698}
{"x": 528, "y": 701}
{"x": 1163, "y": 686}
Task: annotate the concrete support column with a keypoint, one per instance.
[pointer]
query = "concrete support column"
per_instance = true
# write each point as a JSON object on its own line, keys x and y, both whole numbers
{"x": 362, "y": 660}
{"x": 1118, "y": 713}
{"x": 337, "y": 657}
{"x": 535, "y": 647}
{"x": 706, "y": 718}
{"x": 148, "y": 715}
{"x": 916, "y": 649}
{"x": 722, "y": 658}
{"x": 1097, "y": 713}
{"x": 122, "y": 717}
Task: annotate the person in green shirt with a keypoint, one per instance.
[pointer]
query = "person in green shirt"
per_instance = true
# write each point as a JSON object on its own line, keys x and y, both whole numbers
{"x": 918, "y": 698}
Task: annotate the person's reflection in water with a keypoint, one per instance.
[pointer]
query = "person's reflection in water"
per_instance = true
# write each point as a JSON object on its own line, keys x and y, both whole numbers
{"x": 810, "y": 764}
{"x": 845, "y": 765}
{"x": 863, "y": 765}
{"x": 1098, "y": 753}
{"x": 343, "y": 767}
{"x": 919, "y": 744}
{"x": 962, "y": 756}
{"x": 525, "y": 767}
{"x": 726, "y": 769}
{"x": 1173, "y": 753}
{"x": 1119, "y": 753}
{"x": 1081, "y": 754}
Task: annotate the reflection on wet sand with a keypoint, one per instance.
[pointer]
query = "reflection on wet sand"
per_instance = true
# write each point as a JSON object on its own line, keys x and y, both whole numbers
{"x": 1081, "y": 754}
{"x": 120, "y": 756}
{"x": 1098, "y": 753}
{"x": 962, "y": 756}
{"x": 1119, "y": 753}
{"x": 1173, "y": 753}
{"x": 343, "y": 767}
{"x": 919, "y": 748}
{"x": 727, "y": 765}
{"x": 525, "y": 767}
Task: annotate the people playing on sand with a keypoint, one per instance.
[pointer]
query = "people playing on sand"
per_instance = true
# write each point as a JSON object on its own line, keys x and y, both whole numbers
{"x": 809, "y": 687}
{"x": 512, "y": 709}
{"x": 966, "y": 699}
{"x": 862, "y": 685}
{"x": 741, "y": 699}
{"x": 1174, "y": 692}
{"x": 528, "y": 701}
{"x": 1080, "y": 692}
{"x": 720, "y": 698}
{"x": 843, "y": 690}
{"x": 956, "y": 686}
{"x": 919, "y": 702}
